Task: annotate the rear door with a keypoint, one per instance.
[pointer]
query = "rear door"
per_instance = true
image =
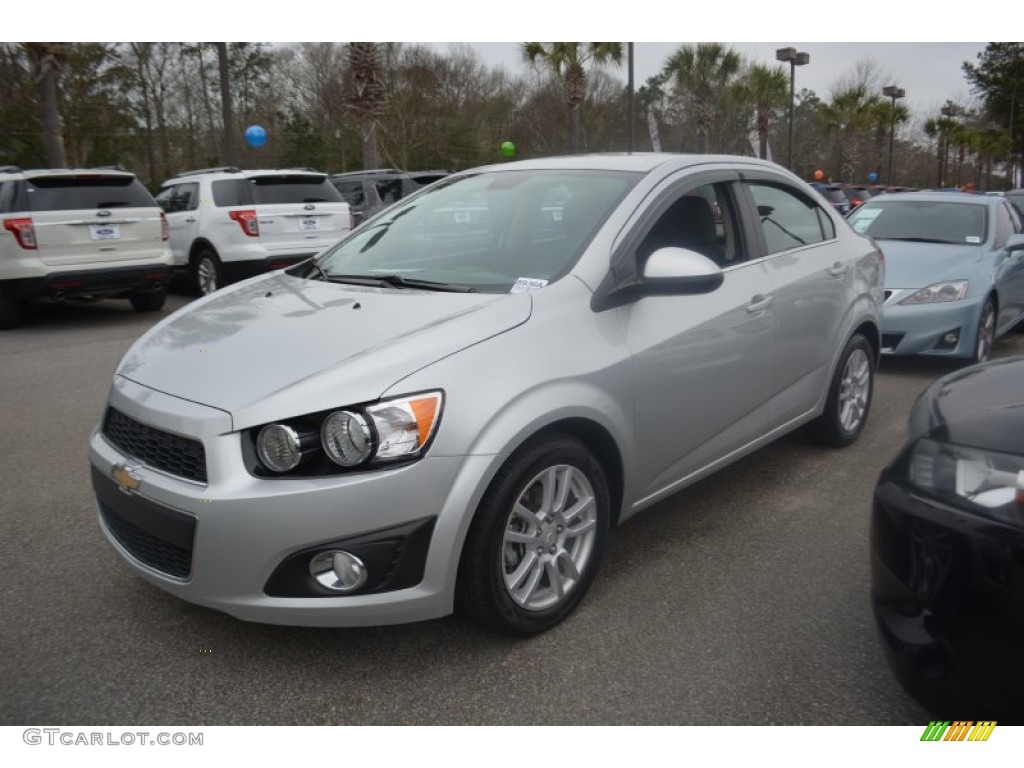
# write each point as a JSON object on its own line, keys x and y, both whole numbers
{"x": 93, "y": 218}
{"x": 180, "y": 203}
{"x": 298, "y": 213}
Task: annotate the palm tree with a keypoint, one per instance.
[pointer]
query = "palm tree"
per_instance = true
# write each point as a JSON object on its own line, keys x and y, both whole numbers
{"x": 366, "y": 95}
{"x": 568, "y": 62}
{"x": 850, "y": 114}
{"x": 703, "y": 72}
{"x": 767, "y": 90}
{"x": 885, "y": 119}
{"x": 940, "y": 129}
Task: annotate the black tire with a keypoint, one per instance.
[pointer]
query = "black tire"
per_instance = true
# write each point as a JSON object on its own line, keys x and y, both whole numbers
{"x": 550, "y": 538}
{"x": 849, "y": 396}
{"x": 986, "y": 335}
{"x": 207, "y": 273}
{"x": 10, "y": 314}
{"x": 148, "y": 302}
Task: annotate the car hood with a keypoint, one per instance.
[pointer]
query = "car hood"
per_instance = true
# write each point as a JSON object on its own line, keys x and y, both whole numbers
{"x": 916, "y": 265}
{"x": 979, "y": 407}
{"x": 282, "y": 345}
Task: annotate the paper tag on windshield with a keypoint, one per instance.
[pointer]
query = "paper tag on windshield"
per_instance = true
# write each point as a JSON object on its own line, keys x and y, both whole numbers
{"x": 973, "y": 239}
{"x": 526, "y": 284}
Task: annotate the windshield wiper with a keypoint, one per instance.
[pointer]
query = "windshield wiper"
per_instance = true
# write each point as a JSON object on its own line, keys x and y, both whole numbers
{"x": 397, "y": 281}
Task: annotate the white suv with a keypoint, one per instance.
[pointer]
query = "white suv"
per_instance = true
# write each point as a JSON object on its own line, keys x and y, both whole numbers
{"x": 80, "y": 233}
{"x": 228, "y": 224}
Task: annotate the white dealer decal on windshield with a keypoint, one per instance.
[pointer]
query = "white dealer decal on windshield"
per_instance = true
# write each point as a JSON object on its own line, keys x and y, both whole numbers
{"x": 524, "y": 284}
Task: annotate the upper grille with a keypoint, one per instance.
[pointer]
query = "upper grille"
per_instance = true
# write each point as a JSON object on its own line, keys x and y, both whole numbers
{"x": 158, "y": 449}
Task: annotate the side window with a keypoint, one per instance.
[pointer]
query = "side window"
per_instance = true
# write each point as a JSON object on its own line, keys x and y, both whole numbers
{"x": 352, "y": 191}
{"x": 186, "y": 197}
{"x": 390, "y": 190}
{"x": 702, "y": 220}
{"x": 231, "y": 192}
{"x": 788, "y": 219}
{"x": 163, "y": 198}
{"x": 1004, "y": 227}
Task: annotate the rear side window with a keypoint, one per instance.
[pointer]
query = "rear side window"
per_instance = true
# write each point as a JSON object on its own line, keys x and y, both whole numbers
{"x": 86, "y": 193}
{"x": 389, "y": 190}
{"x": 293, "y": 189}
{"x": 232, "y": 192}
{"x": 6, "y": 196}
{"x": 789, "y": 220}
{"x": 351, "y": 191}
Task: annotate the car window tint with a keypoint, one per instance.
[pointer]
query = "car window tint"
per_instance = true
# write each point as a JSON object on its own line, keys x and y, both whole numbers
{"x": 702, "y": 220}
{"x": 6, "y": 194}
{"x": 186, "y": 197}
{"x": 788, "y": 220}
{"x": 389, "y": 190}
{"x": 163, "y": 198}
{"x": 231, "y": 192}
{"x": 72, "y": 193}
{"x": 293, "y": 189}
{"x": 351, "y": 191}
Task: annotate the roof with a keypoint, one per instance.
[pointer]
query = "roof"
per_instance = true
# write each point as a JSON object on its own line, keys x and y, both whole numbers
{"x": 642, "y": 162}
{"x": 36, "y": 173}
{"x": 940, "y": 197}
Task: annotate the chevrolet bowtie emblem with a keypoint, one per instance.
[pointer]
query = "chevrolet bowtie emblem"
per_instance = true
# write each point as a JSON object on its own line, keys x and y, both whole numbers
{"x": 125, "y": 477}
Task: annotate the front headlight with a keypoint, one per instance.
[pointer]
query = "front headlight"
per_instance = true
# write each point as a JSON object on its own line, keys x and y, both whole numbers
{"x": 951, "y": 290}
{"x": 355, "y": 437}
{"x": 989, "y": 483}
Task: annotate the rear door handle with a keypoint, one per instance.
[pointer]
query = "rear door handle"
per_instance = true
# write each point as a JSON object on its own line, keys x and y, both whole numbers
{"x": 190, "y": 220}
{"x": 838, "y": 269}
{"x": 758, "y": 304}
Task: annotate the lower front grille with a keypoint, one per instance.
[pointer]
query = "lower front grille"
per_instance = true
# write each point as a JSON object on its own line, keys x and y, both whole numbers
{"x": 156, "y": 552}
{"x": 161, "y": 450}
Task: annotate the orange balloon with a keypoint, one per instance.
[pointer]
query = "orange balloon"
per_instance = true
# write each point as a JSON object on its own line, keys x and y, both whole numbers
{"x": 819, "y": 175}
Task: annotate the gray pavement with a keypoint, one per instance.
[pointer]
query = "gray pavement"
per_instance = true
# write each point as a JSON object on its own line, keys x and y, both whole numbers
{"x": 741, "y": 600}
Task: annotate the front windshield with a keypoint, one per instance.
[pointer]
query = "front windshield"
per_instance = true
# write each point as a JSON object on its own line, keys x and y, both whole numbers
{"x": 489, "y": 232}
{"x": 922, "y": 220}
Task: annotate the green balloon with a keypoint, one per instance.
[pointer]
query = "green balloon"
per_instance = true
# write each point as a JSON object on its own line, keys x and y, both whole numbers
{"x": 508, "y": 149}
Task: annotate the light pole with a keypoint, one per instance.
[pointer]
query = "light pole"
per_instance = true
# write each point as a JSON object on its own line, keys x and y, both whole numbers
{"x": 893, "y": 92}
{"x": 796, "y": 59}
{"x": 949, "y": 111}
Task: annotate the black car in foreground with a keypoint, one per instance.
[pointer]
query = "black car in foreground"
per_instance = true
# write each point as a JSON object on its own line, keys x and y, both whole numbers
{"x": 947, "y": 541}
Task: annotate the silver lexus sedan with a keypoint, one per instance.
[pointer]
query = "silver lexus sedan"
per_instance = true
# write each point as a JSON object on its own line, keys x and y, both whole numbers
{"x": 450, "y": 408}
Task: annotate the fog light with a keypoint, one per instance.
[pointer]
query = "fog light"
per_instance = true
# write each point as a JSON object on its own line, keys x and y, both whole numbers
{"x": 338, "y": 571}
{"x": 948, "y": 340}
{"x": 951, "y": 339}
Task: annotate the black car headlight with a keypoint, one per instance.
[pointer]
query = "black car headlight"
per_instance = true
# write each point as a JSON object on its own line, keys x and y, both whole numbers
{"x": 986, "y": 482}
{"x": 355, "y": 437}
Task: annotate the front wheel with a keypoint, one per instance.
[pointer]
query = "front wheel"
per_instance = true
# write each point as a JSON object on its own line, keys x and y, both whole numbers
{"x": 535, "y": 543}
{"x": 986, "y": 334}
{"x": 849, "y": 396}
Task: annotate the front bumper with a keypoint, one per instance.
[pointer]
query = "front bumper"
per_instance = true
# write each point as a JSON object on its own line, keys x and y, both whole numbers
{"x": 243, "y": 528}
{"x": 919, "y": 330}
{"x": 948, "y": 598}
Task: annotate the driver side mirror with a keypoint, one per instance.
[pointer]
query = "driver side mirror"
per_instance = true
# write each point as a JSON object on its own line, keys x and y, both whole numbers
{"x": 680, "y": 271}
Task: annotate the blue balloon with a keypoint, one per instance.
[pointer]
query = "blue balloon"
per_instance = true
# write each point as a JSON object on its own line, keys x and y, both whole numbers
{"x": 872, "y": 177}
{"x": 256, "y": 136}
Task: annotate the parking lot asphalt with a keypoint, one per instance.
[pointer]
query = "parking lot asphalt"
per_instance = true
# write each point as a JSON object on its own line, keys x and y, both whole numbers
{"x": 742, "y": 600}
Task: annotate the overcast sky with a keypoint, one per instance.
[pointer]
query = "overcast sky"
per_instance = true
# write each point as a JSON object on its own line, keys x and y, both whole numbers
{"x": 928, "y": 68}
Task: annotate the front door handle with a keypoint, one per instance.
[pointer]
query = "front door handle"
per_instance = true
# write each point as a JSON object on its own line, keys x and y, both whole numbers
{"x": 758, "y": 304}
{"x": 838, "y": 269}
{"x": 190, "y": 220}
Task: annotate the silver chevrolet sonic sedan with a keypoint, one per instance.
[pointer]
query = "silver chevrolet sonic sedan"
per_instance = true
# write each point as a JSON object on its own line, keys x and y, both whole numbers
{"x": 451, "y": 407}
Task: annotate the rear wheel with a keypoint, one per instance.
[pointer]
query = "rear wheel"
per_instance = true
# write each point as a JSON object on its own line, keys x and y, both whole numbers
{"x": 849, "y": 396}
{"x": 536, "y": 541}
{"x": 207, "y": 272}
{"x": 148, "y": 302}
